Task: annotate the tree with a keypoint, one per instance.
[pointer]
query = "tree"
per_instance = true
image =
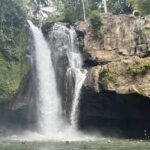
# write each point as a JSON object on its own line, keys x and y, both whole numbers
{"x": 116, "y": 6}
{"x": 12, "y": 18}
{"x": 95, "y": 19}
{"x": 83, "y": 8}
{"x": 73, "y": 10}
{"x": 144, "y": 6}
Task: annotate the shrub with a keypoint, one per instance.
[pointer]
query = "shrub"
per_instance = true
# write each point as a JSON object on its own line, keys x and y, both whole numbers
{"x": 138, "y": 69}
{"x": 107, "y": 76}
{"x": 95, "y": 19}
{"x": 144, "y": 6}
{"x": 72, "y": 13}
{"x": 116, "y": 7}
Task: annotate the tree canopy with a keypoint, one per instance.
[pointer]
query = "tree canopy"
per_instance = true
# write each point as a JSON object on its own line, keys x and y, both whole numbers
{"x": 143, "y": 6}
{"x": 12, "y": 18}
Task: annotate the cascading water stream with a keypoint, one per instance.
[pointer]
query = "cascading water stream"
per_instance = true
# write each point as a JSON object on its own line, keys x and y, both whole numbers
{"x": 65, "y": 46}
{"x": 48, "y": 97}
{"x": 75, "y": 62}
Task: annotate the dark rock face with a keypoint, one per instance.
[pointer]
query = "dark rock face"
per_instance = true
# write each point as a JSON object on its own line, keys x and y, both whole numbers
{"x": 21, "y": 114}
{"x": 46, "y": 28}
{"x": 81, "y": 36}
{"x": 89, "y": 61}
{"x": 125, "y": 115}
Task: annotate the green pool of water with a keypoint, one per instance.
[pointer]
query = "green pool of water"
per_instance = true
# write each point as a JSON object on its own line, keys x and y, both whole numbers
{"x": 103, "y": 144}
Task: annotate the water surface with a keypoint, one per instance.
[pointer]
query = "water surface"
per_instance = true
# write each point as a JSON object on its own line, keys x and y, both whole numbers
{"x": 104, "y": 144}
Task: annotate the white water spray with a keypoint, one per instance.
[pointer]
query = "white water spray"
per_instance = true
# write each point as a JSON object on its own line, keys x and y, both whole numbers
{"x": 75, "y": 61}
{"x": 65, "y": 42}
{"x": 48, "y": 98}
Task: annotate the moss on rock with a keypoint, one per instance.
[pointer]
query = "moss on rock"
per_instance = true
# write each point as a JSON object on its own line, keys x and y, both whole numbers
{"x": 138, "y": 69}
{"x": 107, "y": 76}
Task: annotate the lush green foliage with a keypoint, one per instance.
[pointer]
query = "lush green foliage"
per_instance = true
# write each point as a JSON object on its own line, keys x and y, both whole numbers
{"x": 118, "y": 7}
{"x": 73, "y": 11}
{"x": 144, "y": 6}
{"x": 107, "y": 76}
{"x": 138, "y": 69}
{"x": 92, "y": 4}
{"x": 12, "y": 47}
{"x": 12, "y": 19}
{"x": 133, "y": 2}
{"x": 95, "y": 19}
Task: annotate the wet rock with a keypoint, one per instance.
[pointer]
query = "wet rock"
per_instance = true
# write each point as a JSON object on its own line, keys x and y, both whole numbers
{"x": 46, "y": 28}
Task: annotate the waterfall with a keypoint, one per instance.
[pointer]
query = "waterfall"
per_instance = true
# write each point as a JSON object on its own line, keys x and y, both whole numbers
{"x": 75, "y": 61}
{"x": 49, "y": 108}
{"x": 64, "y": 45}
{"x": 51, "y": 70}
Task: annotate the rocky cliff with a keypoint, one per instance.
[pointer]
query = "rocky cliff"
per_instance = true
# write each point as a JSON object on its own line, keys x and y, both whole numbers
{"x": 117, "y": 89}
{"x": 119, "y": 61}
